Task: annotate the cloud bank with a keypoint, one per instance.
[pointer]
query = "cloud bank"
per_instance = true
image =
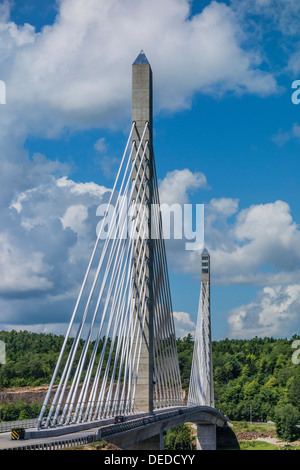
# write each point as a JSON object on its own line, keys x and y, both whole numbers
{"x": 256, "y": 246}
{"x": 75, "y": 74}
{"x": 77, "y": 71}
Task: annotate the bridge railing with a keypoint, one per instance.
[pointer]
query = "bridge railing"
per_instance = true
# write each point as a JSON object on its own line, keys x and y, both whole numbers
{"x": 128, "y": 425}
{"x": 109, "y": 430}
{"x": 7, "y": 426}
{"x": 57, "y": 445}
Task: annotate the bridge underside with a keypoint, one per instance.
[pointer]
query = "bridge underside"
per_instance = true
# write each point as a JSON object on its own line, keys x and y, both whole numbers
{"x": 145, "y": 432}
{"x": 150, "y": 437}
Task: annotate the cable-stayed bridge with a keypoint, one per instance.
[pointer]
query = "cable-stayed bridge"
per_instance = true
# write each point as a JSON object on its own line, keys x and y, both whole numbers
{"x": 123, "y": 355}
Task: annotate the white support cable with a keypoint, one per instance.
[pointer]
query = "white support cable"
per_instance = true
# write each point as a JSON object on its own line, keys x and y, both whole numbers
{"x": 170, "y": 359}
{"x": 67, "y": 369}
{"x": 107, "y": 335}
{"x": 140, "y": 167}
{"x": 159, "y": 389}
{"x": 162, "y": 372}
{"x": 109, "y": 293}
{"x": 168, "y": 295}
{"x": 136, "y": 332}
{"x": 99, "y": 404}
{"x": 128, "y": 354}
{"x": 106, "y": 245}
{"x": 193, "y": 396}
{"x": 124, "y": 280}
{"x": 142, "y": 324}
{"x": 112, "y": 309}
{"x": 111, "y": 388}
{"x": 159, "y": 331}
{"x": 138, "y": 310}
{"x": 201, "y": 386}
{"x": 89, "y": 369}
{"x": 140, "y": 313}
{"x": 76, "y": 340}
{"x": 126, "y": 350}
{"x": 47, "y": 397}
{"x": 113, "y": 256}
{"x": 158, "y": 317}
{"x": 158, "y": 322}
{"x": 164, "y": 356}
{"x": 142, "y": 176}
{"x": 159, "y": 353}
{"x": 115, "y": 307}
{"x": 141, "y": 226}
{"x": 127, "y": 346}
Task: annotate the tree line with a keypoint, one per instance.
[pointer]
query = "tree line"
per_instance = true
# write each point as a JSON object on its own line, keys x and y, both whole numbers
{"x": 253, "y": 379}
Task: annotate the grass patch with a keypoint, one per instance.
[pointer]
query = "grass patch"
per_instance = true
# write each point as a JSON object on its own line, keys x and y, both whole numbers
{"x": 257, "y": 445}
{"x": 243, "y": 426}
{"x": 253, "y": 436}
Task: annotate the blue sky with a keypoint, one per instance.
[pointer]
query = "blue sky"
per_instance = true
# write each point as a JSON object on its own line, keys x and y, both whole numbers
{"x": 223, "y": 74}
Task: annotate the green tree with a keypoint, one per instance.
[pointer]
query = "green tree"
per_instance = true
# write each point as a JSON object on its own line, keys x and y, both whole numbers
{"x": 179, "y": 438}
{"x": 294, "y": 392}
{"x": 286, "y": 420}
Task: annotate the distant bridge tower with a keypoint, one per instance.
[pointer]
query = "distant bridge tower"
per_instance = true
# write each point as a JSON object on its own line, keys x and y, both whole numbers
{"x": 201, "y": 389}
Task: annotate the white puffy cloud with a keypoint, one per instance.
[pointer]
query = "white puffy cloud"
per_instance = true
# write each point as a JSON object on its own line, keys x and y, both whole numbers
{"x": 183, "y": 324}
{"x": 81, "y": 189}
{"x": 50, "y": 230}
{"x": 77, "y": 71}
{"x": 267, "y": 246}
{"x": 75, "y": 217}
{"x": 176, "y": 185}
{"x": 275, "y": 312}
{"x": 259, "y": 245}
{"x": 281, "y": 15}
{"x": 223, "y": 207}
{"x": 19, "y": 272}
{"x": 256, "y": 246}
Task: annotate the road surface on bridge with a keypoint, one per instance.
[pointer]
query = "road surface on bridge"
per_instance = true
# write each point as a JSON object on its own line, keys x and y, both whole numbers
{"x": 7, "y": 442}
{"x": 133, "y": 424}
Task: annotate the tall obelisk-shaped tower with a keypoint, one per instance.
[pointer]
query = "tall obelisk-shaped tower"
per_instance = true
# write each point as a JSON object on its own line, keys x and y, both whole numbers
{"x": 201, "y": 388}
{"x": 206, "y": 327}
{"x": 142, "y": 172}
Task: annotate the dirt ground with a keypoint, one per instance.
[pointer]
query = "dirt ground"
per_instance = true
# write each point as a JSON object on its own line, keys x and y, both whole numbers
{"x": 27, "y": 394}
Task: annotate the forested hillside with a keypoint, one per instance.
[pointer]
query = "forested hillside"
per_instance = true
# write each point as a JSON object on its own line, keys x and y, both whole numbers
{"x": 256, "y": 374}
{"x": 249, "y": 376}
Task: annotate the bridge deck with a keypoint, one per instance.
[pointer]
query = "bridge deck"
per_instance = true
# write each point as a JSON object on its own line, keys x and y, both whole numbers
{"x": 136, "y": 428}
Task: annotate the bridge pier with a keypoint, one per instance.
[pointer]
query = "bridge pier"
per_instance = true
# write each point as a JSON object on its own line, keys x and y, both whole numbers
{"x": 206, "y": 437}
